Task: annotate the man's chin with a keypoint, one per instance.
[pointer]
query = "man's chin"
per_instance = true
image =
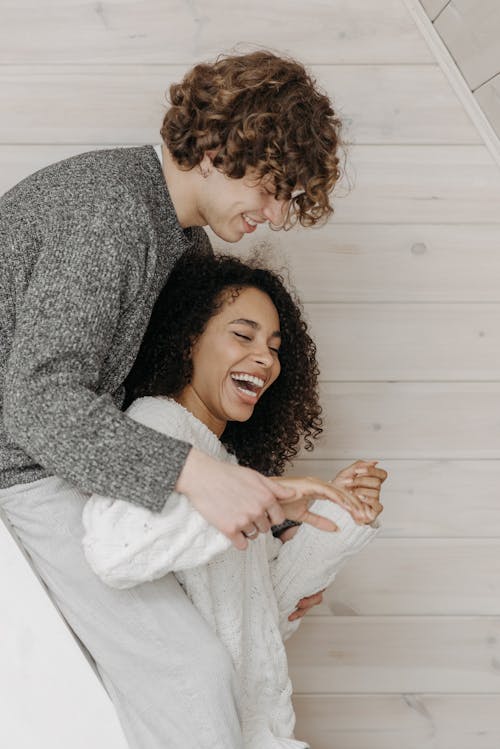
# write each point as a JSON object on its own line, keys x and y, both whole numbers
{"x": 230, "y": 239}
{"x": 228, "y": 235}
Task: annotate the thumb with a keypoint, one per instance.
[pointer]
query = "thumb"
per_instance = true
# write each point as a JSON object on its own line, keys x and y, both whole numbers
{"x": 319, "y": 522}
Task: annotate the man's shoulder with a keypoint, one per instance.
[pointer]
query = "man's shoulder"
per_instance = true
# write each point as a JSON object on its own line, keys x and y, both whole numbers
{"x": 84, "y": 176}
{"x": 201, "y": 241}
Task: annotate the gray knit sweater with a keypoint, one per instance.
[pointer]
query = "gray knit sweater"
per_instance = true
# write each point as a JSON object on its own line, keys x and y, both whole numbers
{"x": 85, "y": 247}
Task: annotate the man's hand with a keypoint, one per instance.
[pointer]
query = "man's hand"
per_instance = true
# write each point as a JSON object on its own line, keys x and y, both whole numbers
{"x": 232, "y": 498}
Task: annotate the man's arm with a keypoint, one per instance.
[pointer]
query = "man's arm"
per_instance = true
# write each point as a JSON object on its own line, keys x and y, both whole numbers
{"x": 55, "y": 402}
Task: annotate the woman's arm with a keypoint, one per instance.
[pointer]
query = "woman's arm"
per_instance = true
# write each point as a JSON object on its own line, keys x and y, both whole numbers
{"x": 126, "y": 545}
{"x": 311, "y": 559}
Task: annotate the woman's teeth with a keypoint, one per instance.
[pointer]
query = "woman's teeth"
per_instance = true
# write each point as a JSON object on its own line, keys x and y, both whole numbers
{"x": 257, "y": 381}
{"x": 247, "y": 392}
{"x": 249, "y": 378}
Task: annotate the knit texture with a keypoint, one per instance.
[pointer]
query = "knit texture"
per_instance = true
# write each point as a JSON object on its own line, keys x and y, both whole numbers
{"x": 85, "y": 247}
{"x": 245, "y": 596}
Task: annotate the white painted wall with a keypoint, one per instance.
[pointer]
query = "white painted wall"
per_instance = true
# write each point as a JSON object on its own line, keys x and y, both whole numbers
{"x": 403, "y": 296}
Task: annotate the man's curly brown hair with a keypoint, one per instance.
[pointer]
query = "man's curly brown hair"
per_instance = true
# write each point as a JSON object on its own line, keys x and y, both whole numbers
{"x": 261, "y": 111}
{"x": 287, "y": 412}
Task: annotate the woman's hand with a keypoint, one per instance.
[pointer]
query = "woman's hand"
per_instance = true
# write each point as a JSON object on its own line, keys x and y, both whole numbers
{"x": 305, "y": 604}
{"x": 365, "y": 481}
{"x": 308, "y": 488}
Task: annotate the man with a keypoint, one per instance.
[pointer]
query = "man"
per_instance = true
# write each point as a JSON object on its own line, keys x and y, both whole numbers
{"x": 86, "y": 246}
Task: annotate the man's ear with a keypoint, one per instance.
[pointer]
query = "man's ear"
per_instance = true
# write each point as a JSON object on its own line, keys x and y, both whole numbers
{"x": 208, "y": 158}
{"x": 206, "y": 164}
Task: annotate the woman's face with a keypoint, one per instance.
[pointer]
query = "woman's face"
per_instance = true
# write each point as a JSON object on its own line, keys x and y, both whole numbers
{"x": 235, "y": 360}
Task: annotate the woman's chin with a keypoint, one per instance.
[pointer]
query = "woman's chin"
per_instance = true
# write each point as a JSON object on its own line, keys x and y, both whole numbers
{"x": 241, "y": 412}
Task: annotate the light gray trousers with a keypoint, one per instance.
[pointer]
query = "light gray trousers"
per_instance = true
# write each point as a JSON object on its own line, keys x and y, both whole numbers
{"x": 171, "y": 680}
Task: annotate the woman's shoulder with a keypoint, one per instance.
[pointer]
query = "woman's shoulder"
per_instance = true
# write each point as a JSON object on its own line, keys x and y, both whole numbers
{"x": 171, "y": 418}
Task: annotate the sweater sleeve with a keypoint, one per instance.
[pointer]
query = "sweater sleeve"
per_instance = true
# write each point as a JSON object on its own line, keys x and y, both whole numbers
{"x": 55, "y": 404}
{"x": 126, "y": 545}
{"x": 310, "y": 560}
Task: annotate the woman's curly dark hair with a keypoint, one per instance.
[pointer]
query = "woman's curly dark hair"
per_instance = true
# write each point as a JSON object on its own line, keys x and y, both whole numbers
{"x": 288, "y": 411}
{"x": 262, "y": 111}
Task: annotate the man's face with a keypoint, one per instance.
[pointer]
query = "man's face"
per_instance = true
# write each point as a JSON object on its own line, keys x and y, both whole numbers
{"x": 235, "y": 207}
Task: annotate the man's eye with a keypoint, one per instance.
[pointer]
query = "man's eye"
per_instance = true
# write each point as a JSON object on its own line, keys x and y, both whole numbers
{"x": 240, "y": 335}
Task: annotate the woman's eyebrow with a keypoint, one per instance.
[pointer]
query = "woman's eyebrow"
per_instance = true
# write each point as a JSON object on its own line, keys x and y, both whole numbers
{"x": 254, "y": 325}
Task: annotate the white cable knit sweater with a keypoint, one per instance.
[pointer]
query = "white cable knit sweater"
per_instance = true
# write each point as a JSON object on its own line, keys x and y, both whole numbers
{"x": 245, "y": 596}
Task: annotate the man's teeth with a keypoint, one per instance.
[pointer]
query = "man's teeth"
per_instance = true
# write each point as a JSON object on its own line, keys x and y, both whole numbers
{"x": 249, "y": 378}
{"x": 249, "y": 221}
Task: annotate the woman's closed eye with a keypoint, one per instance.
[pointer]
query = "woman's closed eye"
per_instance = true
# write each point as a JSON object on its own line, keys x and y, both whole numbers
{"x": 248, "y": 338}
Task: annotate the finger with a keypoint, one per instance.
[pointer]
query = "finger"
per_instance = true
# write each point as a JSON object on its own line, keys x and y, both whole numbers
{"x": 353, "y": 505}
{"x": 309, "y": 601}
{"x": 275, "y": 513}
{"x": 377, "y": 508}
{"x": 366, "y": 482}
{"x": 374, "y": 511}
{"x": 343, "y": 498}
{"x": 367, "y": 495}
{"x": 296, "y": 615}
{"x": 319, "y": 522}
{"x": 361, "y": 475}
{"x": 372, "y": 502}
{"x": 350, "y": 470}
{"x": 239, "y": 541}
{"x": 378, "y": 473}
{"x": 249, "y": 531}
{"x": 262, "y": 523}
{"x": 279, "y": 490}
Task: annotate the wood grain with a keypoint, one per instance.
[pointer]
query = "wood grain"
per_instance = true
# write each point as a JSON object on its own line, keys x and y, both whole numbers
{"x": 459, "y": 655}
{"x": 415, "y": 721}
{"x": 383, "y": 262}
{"x": 428, "y": 498}
{"x": 388, "y": 184}
{"x": 410, "y": 420}
{"x": 126, "y": 103}
{"x": 418, "y": 577}
{"x": 180, "y": 33}
{"x": 406, "y": 341}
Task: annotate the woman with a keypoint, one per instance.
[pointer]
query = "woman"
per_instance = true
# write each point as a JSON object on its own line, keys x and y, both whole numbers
{"x": 228, "y": 366}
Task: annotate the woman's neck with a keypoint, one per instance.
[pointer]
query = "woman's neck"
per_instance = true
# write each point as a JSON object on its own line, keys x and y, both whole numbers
{"x": 191, "y": 401}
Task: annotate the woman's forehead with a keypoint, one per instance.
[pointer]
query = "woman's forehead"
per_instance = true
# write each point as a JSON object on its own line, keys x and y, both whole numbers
{"x": 248, "y": 303}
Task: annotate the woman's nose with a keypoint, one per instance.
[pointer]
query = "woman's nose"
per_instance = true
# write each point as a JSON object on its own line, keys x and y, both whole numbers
{"x": 263, "y": 356}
